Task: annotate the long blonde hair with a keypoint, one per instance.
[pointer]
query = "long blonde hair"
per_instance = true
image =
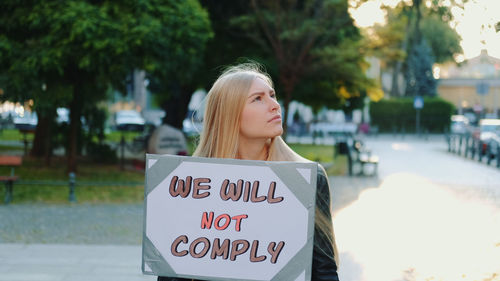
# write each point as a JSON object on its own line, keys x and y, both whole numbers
{"x": 221, "y": 126}
{"x": 221, "y": 122}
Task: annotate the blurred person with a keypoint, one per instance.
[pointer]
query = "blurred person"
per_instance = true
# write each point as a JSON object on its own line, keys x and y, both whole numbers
{"x": 243, "y": 121}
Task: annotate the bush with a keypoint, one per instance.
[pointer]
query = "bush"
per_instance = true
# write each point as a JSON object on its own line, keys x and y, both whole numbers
{"x": 101, "y": 153}
{"x": 398, "y": 115}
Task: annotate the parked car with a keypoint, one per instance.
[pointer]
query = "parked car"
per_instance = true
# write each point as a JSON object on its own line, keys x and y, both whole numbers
{"x": 488, "y": 133}
{"x": 492, "y": 145}
{"x": 459, "y": 124}
{"x": 129, "y": 120}
{"x": 488, "y": 128}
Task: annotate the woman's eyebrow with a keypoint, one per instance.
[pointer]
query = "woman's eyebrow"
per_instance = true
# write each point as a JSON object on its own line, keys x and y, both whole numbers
{"x": 260, "y": 93}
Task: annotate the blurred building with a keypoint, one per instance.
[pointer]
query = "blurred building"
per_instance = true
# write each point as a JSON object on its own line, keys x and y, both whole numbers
{"x": 474, "y": 85}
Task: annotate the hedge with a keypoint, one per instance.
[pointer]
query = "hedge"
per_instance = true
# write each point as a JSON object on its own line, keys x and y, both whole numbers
{"x": 398, "y": 115}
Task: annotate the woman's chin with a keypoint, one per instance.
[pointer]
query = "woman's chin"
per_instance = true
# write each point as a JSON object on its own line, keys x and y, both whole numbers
{"x": 278, "y": 133}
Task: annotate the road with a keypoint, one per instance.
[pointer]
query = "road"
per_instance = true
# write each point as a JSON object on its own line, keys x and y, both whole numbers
{"x": 430, "y": 215}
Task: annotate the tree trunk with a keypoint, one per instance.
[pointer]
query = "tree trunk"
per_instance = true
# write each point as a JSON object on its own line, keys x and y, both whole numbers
{"x": 395, "y": 91}
{"x": 42, "y": 143}
{"x": 176, "y": 107}
{"x": 74, "y": 126}
{"x": 288, "y": 86}
{"x": 418, "y": 35}
{"x": 48, "y": 144}
{"x": 41, "y": 136}
{"x": 286, "y": 105}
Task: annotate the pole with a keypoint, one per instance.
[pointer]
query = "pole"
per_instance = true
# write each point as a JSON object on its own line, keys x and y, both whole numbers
{"x": 72, "y": 182}
{"x": 417, "y": 126}
{"x": 495, "y": 96}
{"x": 122, "y": 152}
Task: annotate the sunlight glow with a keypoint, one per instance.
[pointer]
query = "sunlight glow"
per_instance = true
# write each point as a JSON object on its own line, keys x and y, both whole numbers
{"x": 475, "y": 24}
{"x": 436, "y": 72}
{"x": 412, "y": 229}
{"x": 400, "y": 146}
{"x": 368, "y": 14}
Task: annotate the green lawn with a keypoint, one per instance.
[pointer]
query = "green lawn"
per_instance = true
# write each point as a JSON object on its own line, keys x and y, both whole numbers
{"x": 115, "y": 136}
{"x": 13, "y": 135}
{"x": 94, "y": 174}
{"x": 334, "y": 164}
{"x": 36, "y": 170}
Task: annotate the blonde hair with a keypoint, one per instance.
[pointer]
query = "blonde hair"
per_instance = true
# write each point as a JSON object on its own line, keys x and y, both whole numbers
{"x": 221, "y": 122}
{"x": 221, "y": 125}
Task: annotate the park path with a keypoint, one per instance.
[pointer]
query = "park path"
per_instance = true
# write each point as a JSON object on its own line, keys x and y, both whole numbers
{"x": 428, "y": 215}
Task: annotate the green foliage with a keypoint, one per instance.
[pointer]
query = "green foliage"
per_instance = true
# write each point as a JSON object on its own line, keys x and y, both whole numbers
{"x": 106, "y": 38}
{"x": 101, "y": 153}
{"x": 326, "y": 85}
{"x": 387, "y": 41}
{"x": 313, "y": 48}
{"x": 399, "y": 114}
{"x": 77, "y": 48}
{"x": 444, "y": 41}
{"x": 170, "y": 38}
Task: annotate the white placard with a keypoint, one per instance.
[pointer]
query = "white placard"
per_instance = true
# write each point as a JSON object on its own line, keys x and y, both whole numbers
{"x": 216, "y": 219}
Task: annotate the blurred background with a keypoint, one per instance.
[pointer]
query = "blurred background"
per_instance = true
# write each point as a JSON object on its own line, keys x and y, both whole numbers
{"x": 394, "y": 97}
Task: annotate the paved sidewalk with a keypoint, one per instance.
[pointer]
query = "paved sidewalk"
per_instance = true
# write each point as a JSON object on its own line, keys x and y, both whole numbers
{"x": 53, "y": 262}
{"x": 427, "y": 207}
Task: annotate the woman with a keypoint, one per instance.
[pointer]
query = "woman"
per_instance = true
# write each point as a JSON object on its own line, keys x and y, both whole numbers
{"x": 243, "y": 121}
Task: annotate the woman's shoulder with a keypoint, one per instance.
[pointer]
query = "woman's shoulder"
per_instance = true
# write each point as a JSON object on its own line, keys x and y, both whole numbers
{"x": 322, "y": 176}
{"x": 321, "y": 170}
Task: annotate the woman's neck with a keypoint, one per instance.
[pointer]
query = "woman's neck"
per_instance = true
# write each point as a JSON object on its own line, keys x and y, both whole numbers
{"x": 252, "y": 149}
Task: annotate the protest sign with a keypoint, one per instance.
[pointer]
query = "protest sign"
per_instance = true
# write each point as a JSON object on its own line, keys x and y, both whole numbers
{"x": 227, "y": 219}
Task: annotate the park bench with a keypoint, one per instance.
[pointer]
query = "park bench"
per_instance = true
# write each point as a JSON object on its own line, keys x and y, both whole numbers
{"x": 11, "y": 161}
{"x": 359, "y": 154}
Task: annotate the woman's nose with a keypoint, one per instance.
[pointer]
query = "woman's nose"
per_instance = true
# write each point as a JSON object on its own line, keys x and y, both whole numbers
{"x": 274, "y": 105}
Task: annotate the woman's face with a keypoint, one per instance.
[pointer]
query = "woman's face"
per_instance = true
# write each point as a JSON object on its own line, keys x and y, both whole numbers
{"x": 261, "y": 115}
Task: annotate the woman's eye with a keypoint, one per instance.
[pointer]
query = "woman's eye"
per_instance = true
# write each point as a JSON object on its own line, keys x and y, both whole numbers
{"x": 273, "y": 96}
{"x": 258, "y": 98}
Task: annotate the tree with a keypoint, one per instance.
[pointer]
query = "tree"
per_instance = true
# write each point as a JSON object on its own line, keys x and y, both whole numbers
{"x": 418, "y": 74}
{"x": 175, "y": 39}
{"x": 322, "y": 87}
{"x": 305, "y": 38}
{"x": 82, "y": 47}
{"x": 443, "y": 41}
{"x": 406, "y": 25}
{"x": 230, "y": 44}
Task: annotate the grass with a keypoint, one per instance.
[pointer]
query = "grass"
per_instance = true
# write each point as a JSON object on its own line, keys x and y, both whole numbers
{"x": 7, "y": 149}
{"x": 14, "y": 135}
{"x": 115, "y": 136}
{"x": 34, "y": 169}
{"x": 334, "y": 164}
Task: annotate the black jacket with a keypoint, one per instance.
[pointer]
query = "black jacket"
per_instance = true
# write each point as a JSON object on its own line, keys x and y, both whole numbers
{"x": 323, "y": 266}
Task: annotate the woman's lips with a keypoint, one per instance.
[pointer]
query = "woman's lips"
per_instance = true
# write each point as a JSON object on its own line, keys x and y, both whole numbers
{"x": 275, "y": 118}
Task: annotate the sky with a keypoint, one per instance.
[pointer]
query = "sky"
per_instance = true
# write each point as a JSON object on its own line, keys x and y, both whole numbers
{"x": 468, "y": 23}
